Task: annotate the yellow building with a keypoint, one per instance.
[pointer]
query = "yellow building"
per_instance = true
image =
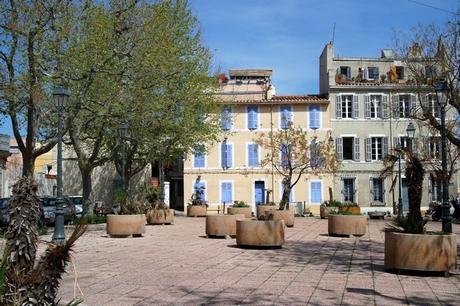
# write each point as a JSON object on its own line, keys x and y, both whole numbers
{"x": 230, "y": 170}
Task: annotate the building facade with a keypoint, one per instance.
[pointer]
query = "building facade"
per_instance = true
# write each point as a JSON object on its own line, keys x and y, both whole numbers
{"x": 374, "y": 100}
{"x": 231, "y": 170}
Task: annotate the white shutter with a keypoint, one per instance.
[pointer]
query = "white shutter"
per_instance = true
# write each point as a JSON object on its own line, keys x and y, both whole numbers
{"x": 395, "y": 106}
{"x": 371, "y": 190}
{"x": 367, "y": 106}
{"x": 368, "y": 148}
{"x": 356, "y": 155}
{"x": 339, "y": 148}
{"x": 366, "y": 74}
{"x": 384, "y": 146}
{"x": 338, "y": 107}
{"x": 396, "y": 142}
{"x": 355, "y": 106}
{"x": 385, "y": 107}
{"x": 413, "y": 104}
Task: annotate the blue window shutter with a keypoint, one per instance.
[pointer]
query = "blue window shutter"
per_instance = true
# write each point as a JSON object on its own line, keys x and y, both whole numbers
{"x": 284, "y": 155}
{"x": 315, "y": 192}
{"x": 229, "y": 156}
{"x": 286, "y": 116}
{"x": 252, "y": 117}
{"x": 226, "y": 190}
{"x": 223, "y": 155}
{"x": 314, "y": 116}
{"x": 226, "y": 118}
{"x": 253, "y": 155}
{"x": 199, "y": 160}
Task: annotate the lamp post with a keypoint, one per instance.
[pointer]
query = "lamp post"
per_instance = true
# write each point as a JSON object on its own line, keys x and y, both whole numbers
{"x": 410, "y": 132}
{"x": 122, "y": 131}
{"x": 60, "y": 96}
{"x": 445, "y": 208}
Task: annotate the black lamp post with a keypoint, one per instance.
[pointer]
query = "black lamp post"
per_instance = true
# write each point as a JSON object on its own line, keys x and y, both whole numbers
{"x": 122, "y": 132}
{"x": 410, "y": 132}
{"x": 60, "y": 96}
{"x": 445, "y": 211}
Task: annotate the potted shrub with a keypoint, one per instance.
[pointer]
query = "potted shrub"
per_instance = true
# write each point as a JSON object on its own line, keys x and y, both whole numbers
{"x": 262, "y": 208}
{"x": 158, "y": 212}
{"x": 350, "y": 207}
{"x": 197, "y": 206}
{"x": 408, "y": 246}
{"x": 240, "y": 207}
{"x": 222, "y": 225}
{"x": 328, "y": 206}
{"x": 130, "y": 221}
{"x": 346, "y": 223}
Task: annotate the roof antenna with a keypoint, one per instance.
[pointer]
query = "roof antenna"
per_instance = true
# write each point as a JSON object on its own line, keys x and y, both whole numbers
{"x": 333, "y": 34}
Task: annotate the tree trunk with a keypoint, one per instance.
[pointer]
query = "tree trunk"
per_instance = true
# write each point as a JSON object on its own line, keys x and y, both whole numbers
{"x": 87, "y": 188}
{"x": 415, "y": 174}
{"x": 284, "y": 204}
{"x": 28, "y": 164}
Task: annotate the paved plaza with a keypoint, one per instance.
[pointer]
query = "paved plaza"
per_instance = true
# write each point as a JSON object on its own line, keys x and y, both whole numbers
{"x": 177, "y": 264}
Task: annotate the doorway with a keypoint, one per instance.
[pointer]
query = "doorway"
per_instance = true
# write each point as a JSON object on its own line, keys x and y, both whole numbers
{"x": 259, "y": 192}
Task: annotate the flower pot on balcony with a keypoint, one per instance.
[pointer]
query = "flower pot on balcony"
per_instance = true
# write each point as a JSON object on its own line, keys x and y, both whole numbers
{"x": 246, "y": 211}
{"x": 121, "y": 226}
{"x": 286, "y": 215}
{"x": 160, "y": 216}
{"x": 261, "y": 209}
{"x": 196, "y": 210}
{"x": 355, "y": 210}
{"x": 421, "y": 252}
{"x": 346, "y": 225}
{"x": 222, "y": 225}
{"x": 253, "y": 233}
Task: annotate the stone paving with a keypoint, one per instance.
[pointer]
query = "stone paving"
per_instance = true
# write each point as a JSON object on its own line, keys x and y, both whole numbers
{"x": 177, "y": 264}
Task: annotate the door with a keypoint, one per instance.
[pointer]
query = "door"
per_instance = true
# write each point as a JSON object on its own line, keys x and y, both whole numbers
{"x": 404, "y": 195}
{"x": 259, "y": 192}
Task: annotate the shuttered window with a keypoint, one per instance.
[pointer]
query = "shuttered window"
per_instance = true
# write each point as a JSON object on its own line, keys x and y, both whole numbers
{"x": 199, "y": 160}
{"x": 252, "y": 112}
{"x": 226, "y": 118}
{"x": 226, "y": 192}
{"x": 316, "y": 192}
{"x": 253, "y": 155}
{"x": 286, "y": 116}
{"x": 315, "y": 116}
{"x": 226, "y": 155}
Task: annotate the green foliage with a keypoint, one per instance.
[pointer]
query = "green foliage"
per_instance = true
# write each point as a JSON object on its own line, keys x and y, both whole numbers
{"x": 343, "y": 212}
{"x": 42, "y": 230}
{"x": 240, "y": 204}
{"x": 119, "y": 195}
{"x": 406, "y": 225}
{"x": 331, "y": 203}
{"x": 149, "y": 193}
{"x": 92, "y": 219}
{"x": 348, "y": 204}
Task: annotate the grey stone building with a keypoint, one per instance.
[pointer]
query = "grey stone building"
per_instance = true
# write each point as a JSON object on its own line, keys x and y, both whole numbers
{"x": 374, "y": 101}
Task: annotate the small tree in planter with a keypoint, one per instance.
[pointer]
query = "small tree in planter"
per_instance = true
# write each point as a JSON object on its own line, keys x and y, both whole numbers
{"x": 158, "y": 212}
{"x": 240, "y": 207}
{"x": 407, "y": 235}
{"x": 293, "y": 153}
{"x": 197, "y": 206}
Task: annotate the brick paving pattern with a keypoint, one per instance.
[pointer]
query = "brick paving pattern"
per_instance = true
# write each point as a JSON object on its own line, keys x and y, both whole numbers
{"x": 177, "y": 264}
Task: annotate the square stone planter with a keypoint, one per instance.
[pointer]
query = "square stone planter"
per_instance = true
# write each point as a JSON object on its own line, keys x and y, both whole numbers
{"x": 196, "y": 210}
{"x": 160, "y": 216}
{"x": 421, "y": 252}
{"x": 246, "y": 211}
{"x": 286, "y": 215}
{"x": 261, "y": 209}
{"x": 346, "y": 225}
{"x": 222, "y": 225}
{"x": 254, "y": 233}
{"x": 122, "y": 226}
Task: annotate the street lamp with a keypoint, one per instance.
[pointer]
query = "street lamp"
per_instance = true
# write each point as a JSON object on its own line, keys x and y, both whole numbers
{"x": 122, "y": 132}
{"x": 410, "y": 132}
{"x": 445, "y": 211}
{"x": 60, "y": 97}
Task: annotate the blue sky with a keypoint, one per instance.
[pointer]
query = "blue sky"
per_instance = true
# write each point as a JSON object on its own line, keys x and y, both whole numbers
{"x": 289, "y": 35}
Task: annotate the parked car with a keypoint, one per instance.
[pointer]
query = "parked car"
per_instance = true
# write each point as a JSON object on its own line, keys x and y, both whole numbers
{"x": 49, "y": 209}
{"x": 78, "y": 202}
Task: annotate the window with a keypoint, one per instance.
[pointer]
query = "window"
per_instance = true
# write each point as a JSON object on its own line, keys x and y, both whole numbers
{"x": 316, "y": 192}
{"x": 315, "y": 117}
{"x": 376, "y": 148}
{"x": 377, "y": 190}
{"x": 226, "y": 192}
{"x": 433, "y": 106}
{"x": 199, "y": 160}
{"x": 345, "y": 71}
{"x": 436, "y": 189}
{"x": 253, "y": 121}
{"x": 430, "y": 72}
{"x": 348, "y": 190}
{"x": 253, "y": 155}
{"x": 284, "y": 155}
{"x": 286, "y": 116}
{"x": 373, "y": 106}
{"x": 400, "y": 72}
{"x": 434, "y": 147}
{"x": 315, "y": 156}
{"x": 404, "y": 106}
{"x": 406, "y": 143}
{"x": 226, "y": 118}
{"x": 348, "y": 148}
{"x": 347, "y": 106}
{"x": 372, "y": 73}
{"x": 226, "y": 155}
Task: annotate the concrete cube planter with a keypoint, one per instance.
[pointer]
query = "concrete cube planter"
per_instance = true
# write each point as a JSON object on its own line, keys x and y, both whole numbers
{"x": 222, "y": 225}
{"x": 122, "y": 226}
{"x": 261, "y": 209}
{"x": 345, "y": 225}
{"x": 286, "y": 215}
{"x": 196, "y": 210}
{"x": 246, "y": 211}
{"x": 160, "y": 216}
{"x": 421, "y": 252}
{"x": 253, "y": 233}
